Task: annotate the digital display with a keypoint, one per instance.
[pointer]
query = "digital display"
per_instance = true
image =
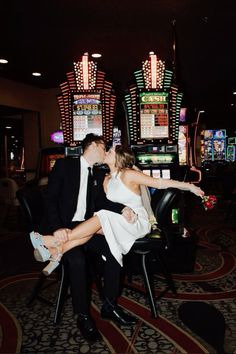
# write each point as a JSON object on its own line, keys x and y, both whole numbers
{"x": 87, "y": 115}
{"x": 219, "y": 134}
{"x": 231, "y": 153}
{"x": 154, "y": 116}
{"x": 219, "y": 149}
{"x": 214, "y": 145}
{"x": 208, "y": 151}
{"x": 232, "y": 140}
{"x": 208, "y": 134}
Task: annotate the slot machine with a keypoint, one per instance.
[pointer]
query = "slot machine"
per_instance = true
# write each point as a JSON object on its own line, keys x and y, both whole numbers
{"x": 152, "y": 113}
{"x": 153, "y": 105}
{"x": 213, "y": 146}
{"x": 231, "y": 149}
{"x": 87, "y": 105}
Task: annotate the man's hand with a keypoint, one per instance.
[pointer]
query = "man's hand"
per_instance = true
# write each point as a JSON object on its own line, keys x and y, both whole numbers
{"x": 61, "y": 235}
{"x": 129, "y": 215}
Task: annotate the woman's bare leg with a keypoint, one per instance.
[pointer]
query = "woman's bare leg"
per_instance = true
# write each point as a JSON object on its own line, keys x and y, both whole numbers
{"x": 78, "y": 236}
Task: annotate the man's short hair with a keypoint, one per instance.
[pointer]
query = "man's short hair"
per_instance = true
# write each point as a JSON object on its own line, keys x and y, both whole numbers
{"x": 90, "y": 138}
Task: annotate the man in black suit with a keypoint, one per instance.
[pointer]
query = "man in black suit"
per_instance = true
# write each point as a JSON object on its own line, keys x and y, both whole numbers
{"x": 67, "y": 205}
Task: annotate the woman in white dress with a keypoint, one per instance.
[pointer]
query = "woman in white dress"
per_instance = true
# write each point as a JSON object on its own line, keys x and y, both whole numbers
{"x": 121, "y": 185}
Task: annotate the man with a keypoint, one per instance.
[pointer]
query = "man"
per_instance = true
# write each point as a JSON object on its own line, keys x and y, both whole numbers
{"x": 67, "y": 204}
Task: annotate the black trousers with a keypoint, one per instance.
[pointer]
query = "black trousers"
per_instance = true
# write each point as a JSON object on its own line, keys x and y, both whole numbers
{"x": 76, "y": 264}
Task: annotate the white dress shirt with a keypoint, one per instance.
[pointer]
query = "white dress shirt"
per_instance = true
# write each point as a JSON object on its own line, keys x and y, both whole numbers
{"x": 81, "y": 202}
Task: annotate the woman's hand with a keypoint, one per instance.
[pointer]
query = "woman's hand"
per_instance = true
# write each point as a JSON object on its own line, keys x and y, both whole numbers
{"x": 196, "y": 190}
{"x": 129, "y": 215}
{"x": 61, "y": 235}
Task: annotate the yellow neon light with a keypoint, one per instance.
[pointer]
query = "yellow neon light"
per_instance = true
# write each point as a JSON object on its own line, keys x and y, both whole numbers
{"x": 153, "y": 58}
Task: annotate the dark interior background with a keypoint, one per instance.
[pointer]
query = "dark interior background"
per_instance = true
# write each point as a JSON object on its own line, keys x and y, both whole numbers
{"x": 49, "y": 35}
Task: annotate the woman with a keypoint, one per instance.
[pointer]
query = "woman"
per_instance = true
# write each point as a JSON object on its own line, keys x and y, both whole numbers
{"x": 121, "y": 185}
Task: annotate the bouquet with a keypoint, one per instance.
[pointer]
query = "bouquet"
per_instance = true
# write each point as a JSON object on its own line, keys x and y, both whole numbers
{"x": 209, "y": 201}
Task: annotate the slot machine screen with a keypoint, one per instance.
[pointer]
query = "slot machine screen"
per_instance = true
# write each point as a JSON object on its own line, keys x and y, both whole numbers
{"x": 154, "y": 116}
{"x": 219, "y": 149}
{"x": 87, "y": 114}
{"x": 208, "y": 151}
{"x": 208, "y": 134}
{"x": 232, "y": 140}
{"x": 219, "y": 134}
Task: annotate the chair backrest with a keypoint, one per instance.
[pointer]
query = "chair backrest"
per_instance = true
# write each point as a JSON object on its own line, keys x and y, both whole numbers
{"x": 31, "y": 198}
{"x": 8, "y": 189}
{"x": 163, "y": 205}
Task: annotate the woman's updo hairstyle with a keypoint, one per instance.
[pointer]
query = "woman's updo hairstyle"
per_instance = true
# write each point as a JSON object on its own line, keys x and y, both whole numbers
{"x": 124, "y": 157}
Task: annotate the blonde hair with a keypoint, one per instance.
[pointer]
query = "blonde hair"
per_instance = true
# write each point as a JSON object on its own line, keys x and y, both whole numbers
{"x": 124, "y": 157}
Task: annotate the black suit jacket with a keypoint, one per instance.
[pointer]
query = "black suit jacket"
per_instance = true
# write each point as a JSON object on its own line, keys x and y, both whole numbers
{"x": 62, "y": 194}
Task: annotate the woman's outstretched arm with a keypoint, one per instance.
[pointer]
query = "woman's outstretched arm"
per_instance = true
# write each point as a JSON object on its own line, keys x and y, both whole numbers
{"x": 139, "y": 178}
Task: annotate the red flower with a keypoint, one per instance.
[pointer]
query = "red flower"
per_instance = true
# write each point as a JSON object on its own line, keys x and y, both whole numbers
{"x": 209, "y": 201}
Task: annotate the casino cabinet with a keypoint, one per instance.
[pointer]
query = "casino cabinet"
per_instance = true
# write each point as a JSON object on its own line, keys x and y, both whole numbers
{"x": 153, "y": 106}
{"x": 87, "y": 105}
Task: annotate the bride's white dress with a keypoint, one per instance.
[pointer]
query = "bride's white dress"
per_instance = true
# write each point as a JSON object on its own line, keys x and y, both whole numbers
{"x": 119, "y": 233}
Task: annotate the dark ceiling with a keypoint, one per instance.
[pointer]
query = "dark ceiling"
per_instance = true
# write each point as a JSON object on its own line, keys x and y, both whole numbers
{"x": 49, "y": 35}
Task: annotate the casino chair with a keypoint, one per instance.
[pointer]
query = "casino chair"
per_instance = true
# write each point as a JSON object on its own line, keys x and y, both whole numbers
{"x": 31, "y": 199}
{"x": 8, "y": 200}
{"x": 154, "y": 246}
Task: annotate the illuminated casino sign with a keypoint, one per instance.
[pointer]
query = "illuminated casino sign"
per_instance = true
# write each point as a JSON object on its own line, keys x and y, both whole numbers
{"x": 154, "y": 117}
{"x": 57, "y": 137}
{"x": 87, "y": 115}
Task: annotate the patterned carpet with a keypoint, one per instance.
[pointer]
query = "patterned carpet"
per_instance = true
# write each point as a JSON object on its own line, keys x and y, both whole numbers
{"x": 212, "y": 286}
{"x": 200, "y": 319}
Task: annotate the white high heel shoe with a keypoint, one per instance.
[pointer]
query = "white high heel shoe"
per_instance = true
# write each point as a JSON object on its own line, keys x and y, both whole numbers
{"x": 53, "y": 264}
{"x": 42, "y": 254}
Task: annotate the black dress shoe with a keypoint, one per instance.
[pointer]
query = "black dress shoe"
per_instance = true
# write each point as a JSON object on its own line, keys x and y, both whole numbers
{"x": 117, "y": 315}
{"x": 88, "y": 328}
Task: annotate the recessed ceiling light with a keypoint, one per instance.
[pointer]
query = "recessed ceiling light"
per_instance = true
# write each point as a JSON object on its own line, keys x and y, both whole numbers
{"x": 36, "y": 74}
{"x": 234, "y": 93}
{"x": 3, "y": 61}
{"x": 8, "y": 127}
{"x": 96, "y": 55}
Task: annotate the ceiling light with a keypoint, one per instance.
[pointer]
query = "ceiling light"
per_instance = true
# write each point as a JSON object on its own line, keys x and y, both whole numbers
{"x": 3, "y": 61}
{"x": 234, "y": 93}
{"x": 8, "y": 127}
{"x": 96, "y": 55}
{"x": 36, "y": 74}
